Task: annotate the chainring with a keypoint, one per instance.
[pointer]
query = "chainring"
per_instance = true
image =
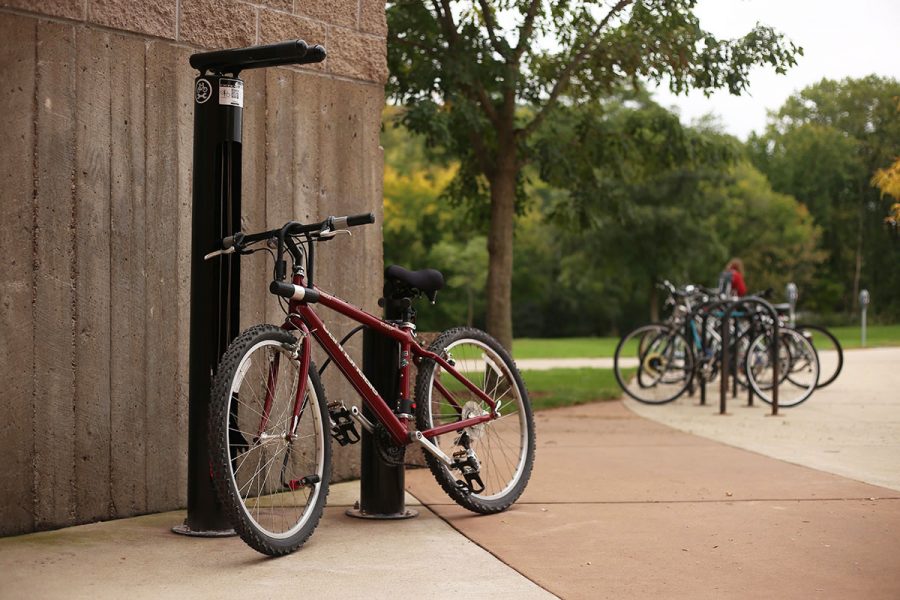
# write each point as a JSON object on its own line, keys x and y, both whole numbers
{"x": 389, "y": 452}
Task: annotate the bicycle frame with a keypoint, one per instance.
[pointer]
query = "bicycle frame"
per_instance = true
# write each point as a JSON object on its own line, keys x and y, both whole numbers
{"x": 310, "y": 324}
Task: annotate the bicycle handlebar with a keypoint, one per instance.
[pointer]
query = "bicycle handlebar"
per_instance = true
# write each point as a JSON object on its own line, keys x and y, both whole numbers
{"x": 238, "y": 240}
{"x": 293, "y": 52}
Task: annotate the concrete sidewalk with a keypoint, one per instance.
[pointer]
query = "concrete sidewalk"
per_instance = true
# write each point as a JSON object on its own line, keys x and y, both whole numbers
{"x": 851, "y": 427}
{"x": 345, "y": 558}
{"x": 622, "y": 507}
{"x": 619, "y": 506}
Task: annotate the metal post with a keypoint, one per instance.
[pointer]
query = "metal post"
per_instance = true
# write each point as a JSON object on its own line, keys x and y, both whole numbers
{"x": 381, "y": 486}
{"x": 216, "y": 213}
{"x": 864, "y": 305}
{"x": 726, "y": 358}
{"x": 215, "y": 285}
{"x": 703, "y": 346}
{"x": 793, "y": 294}
{"x": 776, "y": 340}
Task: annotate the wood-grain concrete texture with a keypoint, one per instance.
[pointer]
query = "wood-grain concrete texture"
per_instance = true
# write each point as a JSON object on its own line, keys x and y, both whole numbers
{"x": 621, "y": 507}
{"x": 95, "y": 159}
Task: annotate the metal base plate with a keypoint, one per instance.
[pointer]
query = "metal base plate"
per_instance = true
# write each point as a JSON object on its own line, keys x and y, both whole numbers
{"x": 360, "y": 514}
{"x": 183, "y": 529}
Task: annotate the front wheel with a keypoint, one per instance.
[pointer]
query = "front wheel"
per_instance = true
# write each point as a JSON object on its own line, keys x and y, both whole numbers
{"x": 654, "y": 364}
{"x": 798, "y": 368}
{"x": 503, "y": 448}
{"x": 270, "y": 450}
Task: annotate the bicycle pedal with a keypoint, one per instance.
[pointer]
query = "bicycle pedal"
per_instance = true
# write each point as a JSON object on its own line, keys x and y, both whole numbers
{"x": 463, "y": 487}
{"x": 473, "y": 482}
{"x": 343, "y": 428}
{"x": 468, "y": 465}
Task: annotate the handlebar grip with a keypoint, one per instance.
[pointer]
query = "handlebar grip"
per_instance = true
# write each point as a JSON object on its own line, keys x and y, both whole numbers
{"x": 227, "y": 242}
{"x": 293, "y": 52}
{"x": 362, "y": 219}
{"x": 352, "y": 220}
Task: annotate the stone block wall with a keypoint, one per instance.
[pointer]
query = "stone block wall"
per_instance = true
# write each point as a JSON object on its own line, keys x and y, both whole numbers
{"x": 96, "y": 117}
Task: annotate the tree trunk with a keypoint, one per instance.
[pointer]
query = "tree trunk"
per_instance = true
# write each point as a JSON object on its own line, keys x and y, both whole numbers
{"x": 500, "y": 250}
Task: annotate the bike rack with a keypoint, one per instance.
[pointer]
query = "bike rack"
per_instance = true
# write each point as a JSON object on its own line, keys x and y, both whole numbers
{"x": 726, "y": 350}
{"x": 707, "y": 308}
{"x": 216, "y": 213}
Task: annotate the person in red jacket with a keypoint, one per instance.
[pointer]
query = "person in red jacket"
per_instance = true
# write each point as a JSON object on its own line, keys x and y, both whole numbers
{"x": 736, "y": 268}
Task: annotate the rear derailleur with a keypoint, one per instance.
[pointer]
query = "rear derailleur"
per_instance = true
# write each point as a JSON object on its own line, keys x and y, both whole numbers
{"x": 467, "y": 462}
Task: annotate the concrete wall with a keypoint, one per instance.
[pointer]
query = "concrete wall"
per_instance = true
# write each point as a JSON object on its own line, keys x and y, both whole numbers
{"x": 95, "y": 159}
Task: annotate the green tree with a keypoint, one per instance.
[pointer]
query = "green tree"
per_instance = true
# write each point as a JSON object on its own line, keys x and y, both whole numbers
{"x": 464, "y": 70}
{"x": 773, "y": 233}
{"x": 822, "y": 147}
{"x": 636, "y": 176}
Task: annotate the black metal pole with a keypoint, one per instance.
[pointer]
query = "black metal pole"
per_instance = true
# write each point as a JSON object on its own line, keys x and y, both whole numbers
{"x": 215, "y": 284}
{"x": 776, "y": 340}
{"x": 381, "y": 486}
{"x": 726, "y": 358}
{"x": 703, "y": 358}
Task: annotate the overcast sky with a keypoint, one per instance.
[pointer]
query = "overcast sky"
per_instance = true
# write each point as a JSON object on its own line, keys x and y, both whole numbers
{"x": 839, "y": 39}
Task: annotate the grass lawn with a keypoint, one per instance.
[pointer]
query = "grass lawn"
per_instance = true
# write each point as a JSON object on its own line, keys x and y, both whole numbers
{"x": 876, "y": 335}
{"x": 592, "y": 347}
{"x": 600, "y": 347}
{"x": 566, "y": 387}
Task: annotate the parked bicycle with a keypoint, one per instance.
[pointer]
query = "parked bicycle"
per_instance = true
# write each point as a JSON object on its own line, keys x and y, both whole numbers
{"x": 271, "y": 427}
{"x": 657, "y": 363}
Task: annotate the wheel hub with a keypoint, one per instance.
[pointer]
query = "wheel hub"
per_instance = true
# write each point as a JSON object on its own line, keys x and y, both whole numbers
{"x": 470, "y": 410}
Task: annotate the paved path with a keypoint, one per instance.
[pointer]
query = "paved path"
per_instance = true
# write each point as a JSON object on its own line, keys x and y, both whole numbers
{"x": 851, "y": 427}
{"x": 622, "y": 507}
{"x": 619, "y": 506}
{"x": 345, "y": 558}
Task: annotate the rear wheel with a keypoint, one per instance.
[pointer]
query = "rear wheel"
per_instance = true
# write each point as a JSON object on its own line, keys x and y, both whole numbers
{"x": 654, "y": 364}
{"x": 271, "y": 471}
{"x": 503, "y": 448}
{"x": 828, "y": 349}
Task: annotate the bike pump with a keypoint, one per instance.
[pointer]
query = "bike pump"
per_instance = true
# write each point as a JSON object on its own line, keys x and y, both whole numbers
{"x": 216, "y": 213}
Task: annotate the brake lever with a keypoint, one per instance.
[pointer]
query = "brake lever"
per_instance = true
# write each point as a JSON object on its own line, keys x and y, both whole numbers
{"x": 330, "y": 234}
{"x": 216, "y": 253}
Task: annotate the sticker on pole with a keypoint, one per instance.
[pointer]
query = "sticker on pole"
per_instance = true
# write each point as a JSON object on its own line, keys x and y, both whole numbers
{"x": 204, "y": 91}
{"x": 231, "y": 92}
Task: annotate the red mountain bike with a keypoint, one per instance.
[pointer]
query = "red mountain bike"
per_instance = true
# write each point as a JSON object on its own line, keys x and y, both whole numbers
{"x": 270, "y": 426}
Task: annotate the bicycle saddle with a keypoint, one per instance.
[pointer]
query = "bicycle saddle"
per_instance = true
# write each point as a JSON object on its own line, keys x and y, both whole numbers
{"x": 428, "y": 281}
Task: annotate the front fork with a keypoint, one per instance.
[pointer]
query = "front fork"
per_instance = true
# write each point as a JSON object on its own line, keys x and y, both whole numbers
{"x": 299, "y": 351}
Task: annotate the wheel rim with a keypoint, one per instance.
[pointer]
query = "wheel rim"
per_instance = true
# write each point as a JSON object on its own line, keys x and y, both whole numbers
{"x": 268, "y": 472}
{"x": 829, "y": 351}
{"x": 653, "y": 364}
{"x": 501, "y": 444}
{"x": 798, "y": 367}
